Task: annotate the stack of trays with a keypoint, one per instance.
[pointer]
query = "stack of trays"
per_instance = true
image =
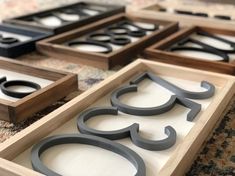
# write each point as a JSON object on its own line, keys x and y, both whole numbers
{"x": 150, "y": 117}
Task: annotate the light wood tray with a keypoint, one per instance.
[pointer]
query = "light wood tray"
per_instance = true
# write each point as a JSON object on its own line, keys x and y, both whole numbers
{"x": 188, "y": 20}
{"x": 180, "y": 156}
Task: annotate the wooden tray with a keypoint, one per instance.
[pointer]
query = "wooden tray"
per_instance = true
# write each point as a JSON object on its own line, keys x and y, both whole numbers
{"x": 28, "y": 40}
{"x": 58, "y": 85}
{"x": 25, "y": 19}
{"x": 211, "y": 9}
{"x": 157, "y": 52}
{"x": 55, "y": 46}
{"x": 15, "y": 152}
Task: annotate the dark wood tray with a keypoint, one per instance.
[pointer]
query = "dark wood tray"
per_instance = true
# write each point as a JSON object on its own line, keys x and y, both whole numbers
{"x": 158, "y": 52}
{"x": 56, "y": 47}
{"x": 62, "y": 84}
{"x": 25, "y": 19}
{"x": 16, "y": 49}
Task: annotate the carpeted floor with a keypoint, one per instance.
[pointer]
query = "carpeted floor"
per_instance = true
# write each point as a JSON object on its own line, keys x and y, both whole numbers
{"x": 217, "y": 156}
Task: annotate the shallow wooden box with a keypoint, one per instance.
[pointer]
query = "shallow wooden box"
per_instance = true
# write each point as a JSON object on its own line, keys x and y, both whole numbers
{"x": 158, "y": 51}
{"x": 25, "y": 19}
{"x": 211, "y": 9}
{"x": 15, "y": 152}
{"x": 55, "y": 47}
{"x": 61, "y": 85}
{"x": 22, "y": 47}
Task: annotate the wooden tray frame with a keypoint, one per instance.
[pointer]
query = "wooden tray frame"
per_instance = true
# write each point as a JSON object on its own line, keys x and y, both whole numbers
{"x": 53, "y": 46}
{"x": 64, "y": 83}
{"x": 156, "y": 52}
{"x": 188, "y": 20}
{"x": 183, "y": 155}
{"x": 20, "y": 48}
{"x": 66, "y": 27}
